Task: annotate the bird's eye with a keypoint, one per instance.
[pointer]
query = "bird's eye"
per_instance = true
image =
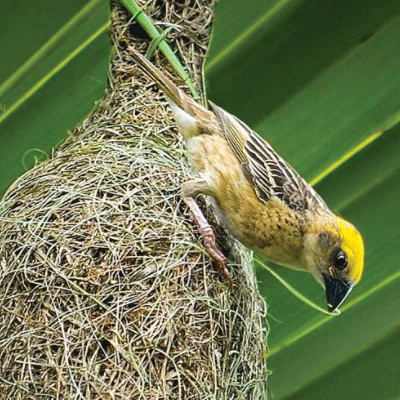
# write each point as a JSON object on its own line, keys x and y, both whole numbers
{"x": 340, "y": 260}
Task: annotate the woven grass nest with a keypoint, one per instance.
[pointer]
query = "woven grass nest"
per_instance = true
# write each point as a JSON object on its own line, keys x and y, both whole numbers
{"x": 105, "y": 289}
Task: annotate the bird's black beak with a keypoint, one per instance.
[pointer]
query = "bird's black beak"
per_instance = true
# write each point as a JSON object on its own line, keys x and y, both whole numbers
{"x": 336, "y": 291}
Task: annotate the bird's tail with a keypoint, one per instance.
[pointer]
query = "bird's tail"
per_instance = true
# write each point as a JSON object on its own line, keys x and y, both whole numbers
{"x": 192, "y": 118}
{"x": 176, "y": 95}
{"x": 165, "y": 84}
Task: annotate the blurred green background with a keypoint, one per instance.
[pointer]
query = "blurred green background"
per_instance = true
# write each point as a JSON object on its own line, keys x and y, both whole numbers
{"x": 54, "y": 61}
{"x": 321, "y": 81}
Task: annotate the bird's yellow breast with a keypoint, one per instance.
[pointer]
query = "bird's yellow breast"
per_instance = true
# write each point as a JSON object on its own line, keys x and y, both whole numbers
{"x": 270, "y": 228}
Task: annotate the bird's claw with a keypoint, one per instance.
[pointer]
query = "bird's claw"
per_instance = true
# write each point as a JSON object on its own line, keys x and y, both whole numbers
{"x": 219, "y": 259}
{"x": 209, "y": 240}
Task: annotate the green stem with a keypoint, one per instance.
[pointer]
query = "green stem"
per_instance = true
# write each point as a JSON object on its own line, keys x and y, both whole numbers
{"x": 147, "y": 24}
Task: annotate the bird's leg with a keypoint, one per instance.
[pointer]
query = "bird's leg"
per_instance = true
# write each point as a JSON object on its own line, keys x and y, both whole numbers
{"x": 209, "y": 239}
{"x": 190, "y": 189}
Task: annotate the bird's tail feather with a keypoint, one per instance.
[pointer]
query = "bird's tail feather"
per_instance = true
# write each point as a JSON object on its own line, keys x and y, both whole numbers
{"x": 192, "y": 117}
{"x": 164, "y": 83}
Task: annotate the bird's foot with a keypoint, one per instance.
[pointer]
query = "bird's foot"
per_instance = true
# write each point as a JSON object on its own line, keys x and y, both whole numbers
{"x": 209, "y": 240}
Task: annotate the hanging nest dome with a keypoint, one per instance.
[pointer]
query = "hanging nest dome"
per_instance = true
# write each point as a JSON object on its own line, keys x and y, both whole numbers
{"x": 106, "y": 291}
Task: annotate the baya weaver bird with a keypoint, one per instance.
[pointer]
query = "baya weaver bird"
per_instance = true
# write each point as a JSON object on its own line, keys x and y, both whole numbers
{"x": 259, "y": 197}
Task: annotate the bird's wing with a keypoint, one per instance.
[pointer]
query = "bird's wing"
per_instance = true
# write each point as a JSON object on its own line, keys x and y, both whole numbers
{"x": 269, "y": 173}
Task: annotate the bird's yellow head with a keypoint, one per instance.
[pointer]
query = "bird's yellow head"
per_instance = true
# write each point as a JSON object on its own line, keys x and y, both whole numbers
{"x": 334, "y": 253}
{"x": 353, "y": 246}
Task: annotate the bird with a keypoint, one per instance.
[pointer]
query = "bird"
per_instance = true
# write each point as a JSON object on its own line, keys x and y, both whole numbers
{"x": 259, "y": 198}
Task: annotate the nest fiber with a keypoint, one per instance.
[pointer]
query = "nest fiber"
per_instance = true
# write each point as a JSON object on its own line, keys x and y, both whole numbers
{"x": 105, "y": 289}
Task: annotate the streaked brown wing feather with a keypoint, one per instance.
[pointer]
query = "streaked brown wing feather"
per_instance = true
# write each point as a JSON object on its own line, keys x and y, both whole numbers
{"x": 232, "y": 130}
{"x": 271, "y": 175}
